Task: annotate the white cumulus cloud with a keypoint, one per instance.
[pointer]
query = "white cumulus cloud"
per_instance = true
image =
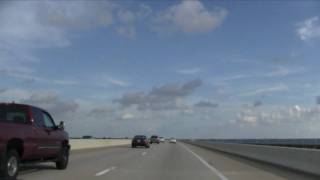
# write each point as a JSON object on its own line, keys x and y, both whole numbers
{"x": 309, "y": 29}
{"x": 190, "y": 17}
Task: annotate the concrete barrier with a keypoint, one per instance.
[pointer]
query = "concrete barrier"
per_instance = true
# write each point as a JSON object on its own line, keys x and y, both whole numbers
{"x": 304, "y": 160}
{"x": 77, "y": 144}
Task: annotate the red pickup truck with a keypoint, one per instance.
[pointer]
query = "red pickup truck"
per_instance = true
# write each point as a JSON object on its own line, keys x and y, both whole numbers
{"x": 29, "y": 134}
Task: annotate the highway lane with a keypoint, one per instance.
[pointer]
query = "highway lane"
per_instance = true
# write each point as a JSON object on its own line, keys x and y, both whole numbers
{"x": 160, "y": 162}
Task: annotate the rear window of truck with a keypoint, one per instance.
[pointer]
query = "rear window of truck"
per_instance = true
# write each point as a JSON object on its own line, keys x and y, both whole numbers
{"x": 140, "y": 137}
{"x": 14, "y": 114}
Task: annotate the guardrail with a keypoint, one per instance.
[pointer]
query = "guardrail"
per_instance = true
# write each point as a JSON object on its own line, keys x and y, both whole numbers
{"x": 77, "y": 144}
{"x": 301, "y": 143}
{"x": 303, "y": 160}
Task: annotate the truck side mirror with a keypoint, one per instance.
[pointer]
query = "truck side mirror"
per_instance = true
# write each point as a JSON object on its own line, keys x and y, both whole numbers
{"x": 61, "y": 125}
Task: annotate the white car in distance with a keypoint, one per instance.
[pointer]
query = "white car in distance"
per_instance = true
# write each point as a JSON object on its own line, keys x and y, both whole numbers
{"x": 173, "y": 140}
{"x": 162, "y": 140}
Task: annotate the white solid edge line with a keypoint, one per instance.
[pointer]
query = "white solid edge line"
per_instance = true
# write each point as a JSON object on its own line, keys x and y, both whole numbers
{"x": 105, "y": 171}
{"x": 216, "y": 171}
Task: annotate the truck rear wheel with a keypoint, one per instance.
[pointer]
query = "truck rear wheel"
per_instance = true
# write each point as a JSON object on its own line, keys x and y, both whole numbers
{"x": 10, "y": 167}
{"x": 63, "y": 158}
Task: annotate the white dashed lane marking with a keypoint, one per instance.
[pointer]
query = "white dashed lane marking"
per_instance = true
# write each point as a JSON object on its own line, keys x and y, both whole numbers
{"x": 105, "y": 171}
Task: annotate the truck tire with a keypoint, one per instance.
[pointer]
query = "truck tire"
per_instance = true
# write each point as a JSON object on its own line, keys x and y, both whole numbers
{"x": 11, "y": 165}
{"x": 63, "y": 158}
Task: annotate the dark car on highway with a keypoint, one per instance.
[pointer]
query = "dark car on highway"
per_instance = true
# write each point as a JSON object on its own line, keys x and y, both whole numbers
{"x": 154, "y": 139}
{"x": 140, "y": 140}
{"x": 27, "y": 134}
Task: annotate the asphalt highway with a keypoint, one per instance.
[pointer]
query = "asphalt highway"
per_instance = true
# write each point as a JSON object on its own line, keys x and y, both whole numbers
{"x": 161, "y": 162}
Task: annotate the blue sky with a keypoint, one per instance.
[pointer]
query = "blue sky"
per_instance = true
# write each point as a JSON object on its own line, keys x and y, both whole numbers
{"x": 181, "y": 68}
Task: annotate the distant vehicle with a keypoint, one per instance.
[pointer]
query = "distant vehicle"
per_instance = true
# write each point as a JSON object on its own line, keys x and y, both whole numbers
{"x": 87, "y": 137}
{"x": 140, "y": 140}
{"x": 29, "y": 133}
{"x": 162, "y": 139}
{"x": 154, "y": 139}
{"x": 173, "y": 140}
